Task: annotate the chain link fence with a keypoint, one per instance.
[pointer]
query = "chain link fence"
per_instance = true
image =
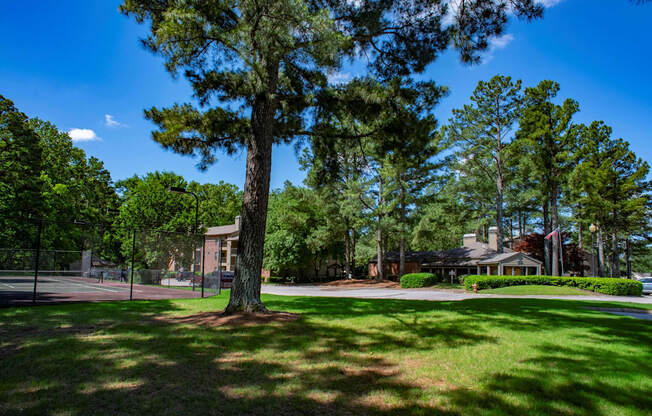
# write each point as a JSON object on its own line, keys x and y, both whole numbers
{"x": 48, "y": 261}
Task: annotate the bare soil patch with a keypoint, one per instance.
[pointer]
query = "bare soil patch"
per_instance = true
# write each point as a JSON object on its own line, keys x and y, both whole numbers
{"x": 212, "y": 319}
{"x": 363, "y": 283}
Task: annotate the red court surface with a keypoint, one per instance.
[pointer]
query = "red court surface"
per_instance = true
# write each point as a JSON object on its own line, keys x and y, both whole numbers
{"x": 18, "y": 290}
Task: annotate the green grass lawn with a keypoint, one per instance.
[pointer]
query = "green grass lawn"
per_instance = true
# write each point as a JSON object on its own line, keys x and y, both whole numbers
{"x": 537, "y": 290}
{"x": 341, "y": 357}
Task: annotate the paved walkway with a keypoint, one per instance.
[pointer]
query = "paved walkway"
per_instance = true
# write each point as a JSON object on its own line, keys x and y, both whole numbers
{"x": 425, "y": 294}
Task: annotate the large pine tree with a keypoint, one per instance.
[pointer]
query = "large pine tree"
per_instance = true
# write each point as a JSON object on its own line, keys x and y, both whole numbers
{"x": 547, "y": 136}
{"x": 483, "y": 131}
{"x": 258, "y": 66}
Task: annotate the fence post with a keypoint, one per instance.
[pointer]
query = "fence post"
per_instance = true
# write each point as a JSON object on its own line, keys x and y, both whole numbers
{"x": 203, "y": 260}
{"x": 38, "y": 257}
{"x": 133, "y": 254}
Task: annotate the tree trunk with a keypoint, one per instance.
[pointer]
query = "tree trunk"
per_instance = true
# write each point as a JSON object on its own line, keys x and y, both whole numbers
{"x": 379, "y": 233}
{"x": 520, "y": 227}
{"x": 379, "y": 263}
{"x": 600, "y": 253}
{"x": 353, "y": 251}
{"x": 546, "y": 243}
{"x": 347, "y": 251}
{"x": 499, "y": 188}
{"x": 628, "y": 258}
{"x": 401, "y": 268}
{"x": 580, "y": 244}
{"x": 615, "y": 258}
{"x": 511, "y": 232}
{"x": 245, "y": 292}
{"x": 555, "y": 225}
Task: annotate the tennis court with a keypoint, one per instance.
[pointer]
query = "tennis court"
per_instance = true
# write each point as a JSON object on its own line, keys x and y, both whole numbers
{"x": 17, "y": 289}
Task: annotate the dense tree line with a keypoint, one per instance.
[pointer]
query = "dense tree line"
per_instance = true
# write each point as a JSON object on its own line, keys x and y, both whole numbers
{"x": 514, "y": 158}
{"x": 46, "y": 179}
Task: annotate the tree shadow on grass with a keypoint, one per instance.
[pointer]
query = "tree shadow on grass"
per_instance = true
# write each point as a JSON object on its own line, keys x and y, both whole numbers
{"x": 586, "y": 381}
{"x": 132, "y": 364}
{"x": 125, "y": 361}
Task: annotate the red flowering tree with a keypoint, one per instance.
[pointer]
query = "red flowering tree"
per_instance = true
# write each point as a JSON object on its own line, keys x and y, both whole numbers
{"x": 574, "y": 257}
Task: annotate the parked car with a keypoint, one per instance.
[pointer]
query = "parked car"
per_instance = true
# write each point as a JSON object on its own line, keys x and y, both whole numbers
{"x": 647, "y": 285}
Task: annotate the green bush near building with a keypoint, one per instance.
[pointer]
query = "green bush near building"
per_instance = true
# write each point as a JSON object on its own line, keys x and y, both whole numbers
{"x": 412, "y": 280}
{"x": 608, "y": 286}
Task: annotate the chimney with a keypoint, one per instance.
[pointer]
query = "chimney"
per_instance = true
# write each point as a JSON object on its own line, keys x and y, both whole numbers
{"x": 237, "y": 222}
{"x": 493, "y": 238}
{"x": 469, "y": 240}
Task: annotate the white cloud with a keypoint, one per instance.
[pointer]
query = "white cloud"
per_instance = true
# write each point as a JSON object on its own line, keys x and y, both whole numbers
{"x": 339, "y": 77}
{"x": 500, "y": 42}
{"x": 110, "y": 121}
{"x": 549, "y": 3}
{"x": 496, "y": 43}
{"x": 82, "y": 135}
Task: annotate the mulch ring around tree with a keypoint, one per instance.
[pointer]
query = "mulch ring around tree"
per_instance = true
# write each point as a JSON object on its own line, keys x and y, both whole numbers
{"x": 217, "y": 318}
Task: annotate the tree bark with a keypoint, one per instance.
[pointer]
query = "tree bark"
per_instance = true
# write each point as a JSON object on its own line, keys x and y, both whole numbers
{"x": 555, "y": 225}
{"x": 353, "y": 251}
{"x": 511, "y": 232}
{"x": 499, "y": 203}
{"x": 546, "y": 243}
{"x": 628, "y": 258}
{"x": 580, "y": 243}
{"x": 520, "y": 227}
{"x": 379, "y": 263}
{"x": 600, "y": 253}
{"x": 615, "y": 258}
{"x": 401, "y": 270}
{"x": 347, "y": 251}
{"x": 379, "y": 233}
{"x": 245, "y": 292}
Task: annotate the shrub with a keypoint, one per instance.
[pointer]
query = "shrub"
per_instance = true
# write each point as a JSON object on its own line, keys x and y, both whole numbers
{"x": 606, "y": 285}
{"x": 412, "y": 280}
{"x": 281, "y": 279}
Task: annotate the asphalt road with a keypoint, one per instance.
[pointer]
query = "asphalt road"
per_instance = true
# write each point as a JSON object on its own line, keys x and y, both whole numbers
{"x": 425, "y": 294}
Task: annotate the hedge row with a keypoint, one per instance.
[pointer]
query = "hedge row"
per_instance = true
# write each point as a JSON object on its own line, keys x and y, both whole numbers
{"x": 412, "y": 280}
{"x": 608, "y": 286}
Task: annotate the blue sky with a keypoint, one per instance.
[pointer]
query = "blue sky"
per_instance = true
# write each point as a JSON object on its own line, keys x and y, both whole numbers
{"x": 75, "y": 62}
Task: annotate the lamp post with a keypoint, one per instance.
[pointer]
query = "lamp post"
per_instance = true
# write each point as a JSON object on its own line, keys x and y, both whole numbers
{"x": 593, "y": 229}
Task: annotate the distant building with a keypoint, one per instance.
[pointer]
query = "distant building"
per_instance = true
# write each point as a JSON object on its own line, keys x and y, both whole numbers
{"x": 222, "y": 247}
{"x": 472, "y": 258}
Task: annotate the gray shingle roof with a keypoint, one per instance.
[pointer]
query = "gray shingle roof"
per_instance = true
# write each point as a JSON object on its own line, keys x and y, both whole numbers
{"x": 222, "y": 230}
{"x": 469, "y": 255}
